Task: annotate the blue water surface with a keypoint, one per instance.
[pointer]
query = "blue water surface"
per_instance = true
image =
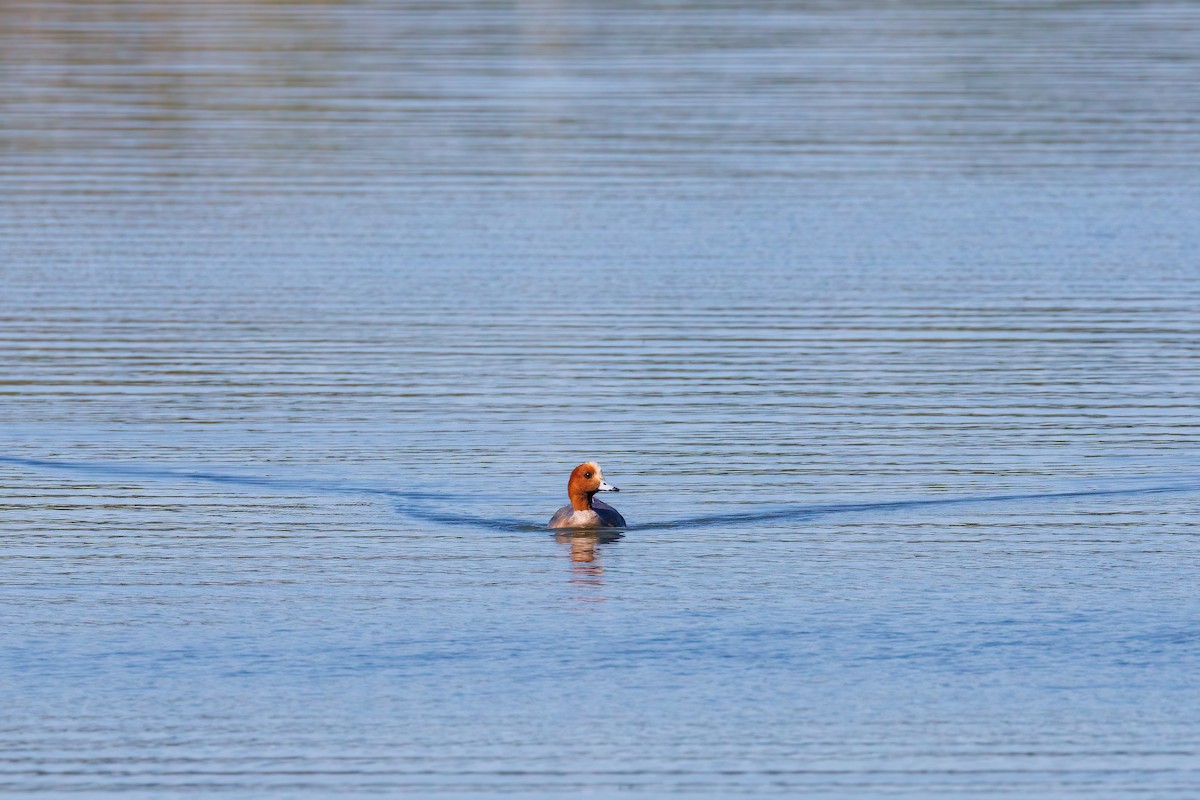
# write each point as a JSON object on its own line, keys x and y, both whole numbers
{"x": 884, "y": 317}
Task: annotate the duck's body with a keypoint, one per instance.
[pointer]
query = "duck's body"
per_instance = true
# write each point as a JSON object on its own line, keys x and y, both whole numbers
{"x": 600, "y": 515}
{"x": 583, "y": 511}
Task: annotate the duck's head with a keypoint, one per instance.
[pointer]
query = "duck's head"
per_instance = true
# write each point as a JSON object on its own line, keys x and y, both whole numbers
{"x": 586, "y": 480}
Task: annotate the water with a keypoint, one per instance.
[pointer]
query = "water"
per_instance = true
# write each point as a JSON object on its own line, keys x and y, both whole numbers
{"x": 884, "y": 318}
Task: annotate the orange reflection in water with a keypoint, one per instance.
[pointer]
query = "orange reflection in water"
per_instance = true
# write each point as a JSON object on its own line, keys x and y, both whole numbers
{"x": 587, "y": 567}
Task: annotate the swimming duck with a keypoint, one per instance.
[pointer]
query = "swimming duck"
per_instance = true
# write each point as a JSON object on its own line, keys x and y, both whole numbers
{"x": 584, "y": 512}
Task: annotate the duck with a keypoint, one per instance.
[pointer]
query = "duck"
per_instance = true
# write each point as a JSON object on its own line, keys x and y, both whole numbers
{"x": 584, "y": 512}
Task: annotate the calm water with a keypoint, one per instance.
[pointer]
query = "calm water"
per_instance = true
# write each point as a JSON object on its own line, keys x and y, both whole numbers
{"x": 885, "y": 317}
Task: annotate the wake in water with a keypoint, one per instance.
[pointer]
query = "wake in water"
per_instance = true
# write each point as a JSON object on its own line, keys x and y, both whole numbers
{"x": 407, "y": 503}
{"x": 812, "y": 511}
{"x": 158, "y": 473}
{"x": 416, "y": 505}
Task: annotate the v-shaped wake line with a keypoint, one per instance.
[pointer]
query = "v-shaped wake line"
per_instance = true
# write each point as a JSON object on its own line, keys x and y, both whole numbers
{"x": 805, "y": 512}
{"x": 255, "y": 481}
{"x": 417, "y": 505}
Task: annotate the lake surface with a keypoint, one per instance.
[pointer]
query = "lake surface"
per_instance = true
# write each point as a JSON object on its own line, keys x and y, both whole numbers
{"x": 884, "y": 317}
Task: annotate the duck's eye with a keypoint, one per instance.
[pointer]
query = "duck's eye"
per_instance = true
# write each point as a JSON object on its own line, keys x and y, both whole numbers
{"x": 587, "y": 474}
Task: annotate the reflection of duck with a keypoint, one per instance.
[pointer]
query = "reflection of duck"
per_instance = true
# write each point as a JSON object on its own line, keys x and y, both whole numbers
{"x": 583, "y": 544}
{"x": 584, "y": 512}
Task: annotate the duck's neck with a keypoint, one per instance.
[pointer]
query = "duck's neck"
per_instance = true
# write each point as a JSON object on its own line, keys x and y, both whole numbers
{"x": 581, "y": 501}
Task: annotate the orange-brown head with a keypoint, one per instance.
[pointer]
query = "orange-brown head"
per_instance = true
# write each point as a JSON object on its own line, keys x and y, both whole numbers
{"x": 586, "y": 480}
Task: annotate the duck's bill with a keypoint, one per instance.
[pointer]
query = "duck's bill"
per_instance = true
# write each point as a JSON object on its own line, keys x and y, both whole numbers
{"x": 605, "y": 487}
